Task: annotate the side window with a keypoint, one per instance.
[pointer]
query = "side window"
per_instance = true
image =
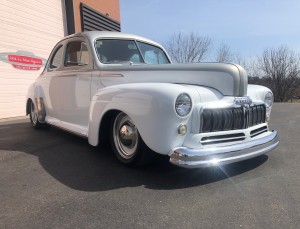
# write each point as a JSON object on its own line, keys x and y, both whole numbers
{"x": 77, "y": 54}
{"x": 84, "y": 55}
{"x": 57, "y": 58}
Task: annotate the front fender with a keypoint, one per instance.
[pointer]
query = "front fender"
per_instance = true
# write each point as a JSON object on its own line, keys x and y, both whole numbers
{"x": 152, "y": 108}
{"x": 257, "y": 93}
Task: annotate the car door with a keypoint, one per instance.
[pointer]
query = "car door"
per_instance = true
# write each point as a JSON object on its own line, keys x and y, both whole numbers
{"x": 69, "y": 86}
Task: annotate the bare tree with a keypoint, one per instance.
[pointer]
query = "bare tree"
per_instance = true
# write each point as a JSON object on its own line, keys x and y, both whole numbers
{"x": 190, "y": 48}
{"x": 282, "y": 66}
{"x": 238, "y": 59}
{"x": 252, "y": 67}
{"x": 224, "y": 54}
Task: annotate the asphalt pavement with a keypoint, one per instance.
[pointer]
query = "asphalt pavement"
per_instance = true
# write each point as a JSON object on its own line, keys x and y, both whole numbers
{"x": 53, "y": 179}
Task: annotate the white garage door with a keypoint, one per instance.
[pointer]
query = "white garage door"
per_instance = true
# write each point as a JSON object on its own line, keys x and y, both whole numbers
{"x": 28, "y": 31}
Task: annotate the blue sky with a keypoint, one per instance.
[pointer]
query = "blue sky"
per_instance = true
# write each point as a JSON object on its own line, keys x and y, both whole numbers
{"x": 247, "y": 26}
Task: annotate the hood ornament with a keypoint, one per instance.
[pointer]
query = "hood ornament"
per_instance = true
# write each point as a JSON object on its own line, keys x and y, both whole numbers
{"x": 245, "y": 101}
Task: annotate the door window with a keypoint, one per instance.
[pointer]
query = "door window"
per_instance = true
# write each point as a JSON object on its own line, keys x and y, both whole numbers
{"x": 77, "y": 54}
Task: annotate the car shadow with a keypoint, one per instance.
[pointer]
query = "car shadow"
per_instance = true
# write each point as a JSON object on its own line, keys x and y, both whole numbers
{"x": 76, "y": 164}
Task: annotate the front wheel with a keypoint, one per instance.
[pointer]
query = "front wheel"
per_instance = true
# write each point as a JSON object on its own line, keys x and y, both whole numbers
{"x": 127, "y": 143}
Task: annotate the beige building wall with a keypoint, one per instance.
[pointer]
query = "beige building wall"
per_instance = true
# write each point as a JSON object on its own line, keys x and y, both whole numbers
{"x": 29, "y": 29}
{"x": 28, "y": 32}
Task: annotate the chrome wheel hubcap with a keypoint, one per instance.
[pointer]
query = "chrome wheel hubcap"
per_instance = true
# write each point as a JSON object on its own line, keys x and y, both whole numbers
{"x": 125, "y": 136}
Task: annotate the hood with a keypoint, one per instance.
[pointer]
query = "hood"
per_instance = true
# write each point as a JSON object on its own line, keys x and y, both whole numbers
{"x": 228, "y": 79}
{"x": 206, "y": 94}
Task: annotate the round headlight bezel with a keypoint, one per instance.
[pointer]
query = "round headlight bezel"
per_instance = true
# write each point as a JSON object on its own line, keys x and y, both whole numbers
{"x": 269, "y": 99}
{"x": 183, "y": 105}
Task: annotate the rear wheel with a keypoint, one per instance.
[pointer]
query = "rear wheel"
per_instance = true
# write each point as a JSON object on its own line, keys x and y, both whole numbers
{"x": 34, "y": 119}
{"x": 127, "y": 143}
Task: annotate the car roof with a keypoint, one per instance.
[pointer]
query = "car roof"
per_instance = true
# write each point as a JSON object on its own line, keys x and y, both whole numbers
{"x": 93, "y": 35}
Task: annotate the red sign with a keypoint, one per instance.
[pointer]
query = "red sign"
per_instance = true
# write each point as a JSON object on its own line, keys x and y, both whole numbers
{"x": 25, "y": 67}
{"x": 23, "y": 60}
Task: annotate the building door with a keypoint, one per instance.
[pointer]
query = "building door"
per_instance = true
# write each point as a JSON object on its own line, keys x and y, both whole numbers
{"x": 28, "y": 32}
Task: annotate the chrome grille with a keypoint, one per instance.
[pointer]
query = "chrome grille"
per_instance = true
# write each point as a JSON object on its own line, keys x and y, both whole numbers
{"x": 222, "y": 138}
{"x": 234, "y": 118}
{"x": 258, "y": 131}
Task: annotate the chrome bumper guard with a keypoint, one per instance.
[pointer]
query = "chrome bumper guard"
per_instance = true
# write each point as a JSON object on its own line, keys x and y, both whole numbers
{"x": 206, "y": 157}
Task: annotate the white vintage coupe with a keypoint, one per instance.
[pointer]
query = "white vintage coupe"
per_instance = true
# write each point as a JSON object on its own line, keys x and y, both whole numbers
{"x": 124, "y": 89}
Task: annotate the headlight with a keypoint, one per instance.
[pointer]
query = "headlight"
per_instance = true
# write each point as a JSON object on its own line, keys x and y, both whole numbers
{"x": 183, "y": 105}
{"x": 269, "y": 99}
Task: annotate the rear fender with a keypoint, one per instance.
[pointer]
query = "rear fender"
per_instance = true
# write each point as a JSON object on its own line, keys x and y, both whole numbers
{"x": 35, "y": 94}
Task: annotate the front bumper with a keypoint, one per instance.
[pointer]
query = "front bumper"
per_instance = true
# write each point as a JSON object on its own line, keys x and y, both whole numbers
{"x": 206, "y": 157}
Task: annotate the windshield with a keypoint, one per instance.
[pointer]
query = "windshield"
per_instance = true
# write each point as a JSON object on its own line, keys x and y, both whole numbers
{"x": 129, "y": 51}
